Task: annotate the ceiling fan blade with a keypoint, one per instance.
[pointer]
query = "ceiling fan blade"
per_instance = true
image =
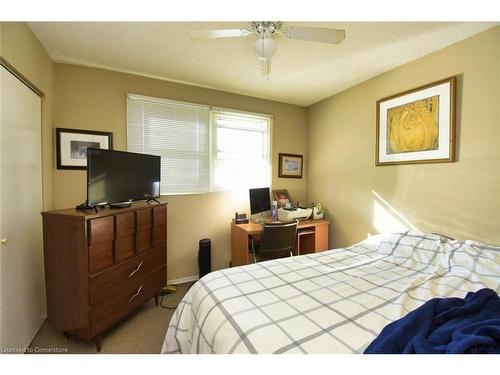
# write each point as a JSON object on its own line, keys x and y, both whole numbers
{"x": 223, "y": 33}
{"x": 315, "y": 34}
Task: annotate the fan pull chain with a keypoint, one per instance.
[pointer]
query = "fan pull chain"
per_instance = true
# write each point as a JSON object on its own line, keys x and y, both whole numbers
{"x": 265, "y": 62}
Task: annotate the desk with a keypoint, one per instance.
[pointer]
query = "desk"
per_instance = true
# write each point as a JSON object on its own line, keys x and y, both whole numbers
{"x": 312, "y": 237}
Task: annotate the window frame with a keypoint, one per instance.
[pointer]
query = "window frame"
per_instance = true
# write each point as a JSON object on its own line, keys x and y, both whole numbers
{"x": 179, "y": 103}
{"x": 213, "y": 141}
{"x": 212, "y": 136}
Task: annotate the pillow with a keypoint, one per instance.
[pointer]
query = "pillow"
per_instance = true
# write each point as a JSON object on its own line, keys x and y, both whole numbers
{"x": 412, "y": 247}
{"x": 474, "y": 259}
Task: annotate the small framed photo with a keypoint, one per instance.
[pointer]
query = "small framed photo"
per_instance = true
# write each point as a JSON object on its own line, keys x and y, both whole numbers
{"x": 290, "y": 166}
{"x": 417, "y": 126}
{"x": 282, "y": 197}
{"x": 71, "y": 146}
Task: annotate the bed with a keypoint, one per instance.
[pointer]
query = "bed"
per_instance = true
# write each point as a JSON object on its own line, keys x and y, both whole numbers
{"x": 336, "y": 301}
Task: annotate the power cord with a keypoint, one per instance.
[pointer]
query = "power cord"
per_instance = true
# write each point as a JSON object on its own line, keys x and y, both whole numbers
{"x": 165, "y": 306}
{"x": 169, "y": 290}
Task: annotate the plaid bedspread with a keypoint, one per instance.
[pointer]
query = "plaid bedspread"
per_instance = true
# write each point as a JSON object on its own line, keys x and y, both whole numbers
{"x": 335, "y": 301}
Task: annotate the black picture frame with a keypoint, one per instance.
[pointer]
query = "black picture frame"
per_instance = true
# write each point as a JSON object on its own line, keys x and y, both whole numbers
{"x": 71, "y": 146}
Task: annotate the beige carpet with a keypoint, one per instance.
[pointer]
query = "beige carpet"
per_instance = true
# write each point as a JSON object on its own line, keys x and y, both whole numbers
{"x": 140, "y": 333}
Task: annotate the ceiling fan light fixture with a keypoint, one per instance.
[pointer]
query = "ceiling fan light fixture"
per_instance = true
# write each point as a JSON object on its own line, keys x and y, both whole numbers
{"x": 265, "y": 48}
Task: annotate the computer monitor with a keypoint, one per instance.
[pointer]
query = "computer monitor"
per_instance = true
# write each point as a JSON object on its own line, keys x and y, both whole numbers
{"x": 260, "y": 204}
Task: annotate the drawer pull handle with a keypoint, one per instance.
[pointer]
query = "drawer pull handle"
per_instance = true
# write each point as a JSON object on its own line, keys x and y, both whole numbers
{"x": 137, "y": 269}
{"x": 136, "y": 294}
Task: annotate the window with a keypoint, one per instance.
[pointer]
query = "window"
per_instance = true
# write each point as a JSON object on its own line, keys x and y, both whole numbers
{"x": 201, "y": 149}
{"x": 241, "y": 157}
{"x": 179, "y": 133}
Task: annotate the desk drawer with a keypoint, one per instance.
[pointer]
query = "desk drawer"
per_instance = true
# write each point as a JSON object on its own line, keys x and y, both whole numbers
{"x": 110, "y": 282}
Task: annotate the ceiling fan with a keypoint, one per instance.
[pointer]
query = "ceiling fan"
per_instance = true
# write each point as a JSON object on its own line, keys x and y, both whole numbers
{"x": 265, "y": 46}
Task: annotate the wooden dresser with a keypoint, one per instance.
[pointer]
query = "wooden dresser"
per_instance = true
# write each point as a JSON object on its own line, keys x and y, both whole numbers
{"x": 99, "y": 267}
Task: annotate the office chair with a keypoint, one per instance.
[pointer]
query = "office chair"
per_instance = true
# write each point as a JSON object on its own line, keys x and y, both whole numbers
{"x": 277, "y": 241}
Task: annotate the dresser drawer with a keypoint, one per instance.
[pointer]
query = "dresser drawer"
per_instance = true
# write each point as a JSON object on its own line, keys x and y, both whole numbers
{"x": 100, "y": 256}
{"x": 110, "y": 282}
{"x": 124, "y": 248}
{"x": 125, "y": 224}
{"x": 127, "y": 298}
{"x": 101, "y": 230}
{"x": 143, "y": 241}
{"x": 159, "y": 235}
{"x": 144, "y": 219}
{"x": 159, "y": 216}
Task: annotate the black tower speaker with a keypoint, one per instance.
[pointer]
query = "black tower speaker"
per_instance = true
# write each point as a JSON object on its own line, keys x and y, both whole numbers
{"x": 204, "y": 257}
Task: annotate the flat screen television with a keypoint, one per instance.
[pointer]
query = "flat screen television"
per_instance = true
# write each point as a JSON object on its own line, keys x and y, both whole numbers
{"x": 118, "y": 176}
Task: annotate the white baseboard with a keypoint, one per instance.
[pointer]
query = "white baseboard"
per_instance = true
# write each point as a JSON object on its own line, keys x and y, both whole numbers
{"x": 182, "y": 280}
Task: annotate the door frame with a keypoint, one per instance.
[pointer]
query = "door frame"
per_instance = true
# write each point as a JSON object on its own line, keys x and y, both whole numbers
{"x": 8, "y": 67}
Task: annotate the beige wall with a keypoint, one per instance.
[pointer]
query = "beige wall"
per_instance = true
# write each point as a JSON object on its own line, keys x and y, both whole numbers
{"x": 20, "y": 48}
{"x": 88, "y": 98}
{"x": 461, "y": 199}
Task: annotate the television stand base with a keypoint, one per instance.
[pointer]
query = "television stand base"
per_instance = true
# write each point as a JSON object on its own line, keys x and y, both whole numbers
{"x": 120, "y": 204}
{"x": 152, "y": 200}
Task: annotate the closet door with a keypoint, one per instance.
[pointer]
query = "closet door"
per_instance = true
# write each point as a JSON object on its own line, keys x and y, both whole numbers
{"x": 22, "y": 290}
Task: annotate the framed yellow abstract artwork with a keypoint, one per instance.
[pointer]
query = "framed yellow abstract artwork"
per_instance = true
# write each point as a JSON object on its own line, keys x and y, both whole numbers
{"x": 417, "y": 126}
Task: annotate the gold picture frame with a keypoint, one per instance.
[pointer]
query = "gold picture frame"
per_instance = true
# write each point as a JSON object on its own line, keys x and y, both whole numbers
{"x": 418, "y": 125}
{"x": 282, "y": 197}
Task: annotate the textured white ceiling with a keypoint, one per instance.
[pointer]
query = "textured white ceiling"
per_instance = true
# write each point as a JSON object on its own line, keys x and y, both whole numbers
{"x": 302, "y": 72}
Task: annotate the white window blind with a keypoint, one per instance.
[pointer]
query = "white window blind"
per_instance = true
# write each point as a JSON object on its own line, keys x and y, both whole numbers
{"x": 179, "y": 133}
{"x": 241, "y": 150}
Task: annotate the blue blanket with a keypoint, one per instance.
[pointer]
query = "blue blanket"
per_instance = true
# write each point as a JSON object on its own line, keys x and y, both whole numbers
{"x": 445, "y": 325}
